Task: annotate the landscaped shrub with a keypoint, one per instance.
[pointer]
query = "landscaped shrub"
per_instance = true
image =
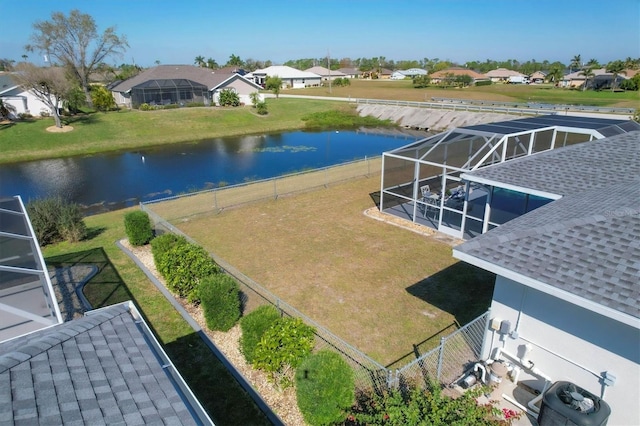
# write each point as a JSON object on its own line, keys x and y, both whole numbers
{"x": 184, "y": 266}
{"x": 282, "y": 348}
{"x": 261, "y": 108}
{"x": 228, "y": 97}
{"x": 161, "y": 245}
{"x": 137, "y": 226}
{"x": 145, "y": 107}
{"x": 220, "y": 301}
{"x": 414, "y": 406}
{"x": 54, "y": 220}
{"x": 253, "y": 326}
{"x": 325, "y": 388}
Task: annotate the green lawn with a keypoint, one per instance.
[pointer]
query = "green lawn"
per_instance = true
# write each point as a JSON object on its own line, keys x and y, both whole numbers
{"x": 100, "y": 132}
{"x": 119, "y": 279}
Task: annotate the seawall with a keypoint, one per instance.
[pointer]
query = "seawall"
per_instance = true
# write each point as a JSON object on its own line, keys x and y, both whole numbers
{"x": 435, "y": 120}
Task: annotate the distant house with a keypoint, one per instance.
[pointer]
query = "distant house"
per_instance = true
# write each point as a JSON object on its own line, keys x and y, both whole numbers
{"x": 600, "y": 79}
{"x": 501, "y": 75}
{"x": 325, "y": 73}
{"x": 20, "y": 101}
{"x": 410, "y": 73}
{"x": 180, "y": 84}
{"x": 538, "y": 77}
{"x": 291, "y": 78}
{"x": 566, "y": 303}
{"x": 350, "y": 72}
{"x": 449, "y": 73}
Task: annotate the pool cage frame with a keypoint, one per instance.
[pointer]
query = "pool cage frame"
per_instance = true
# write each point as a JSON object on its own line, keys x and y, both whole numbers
{"x": 176, "y": 91}
{"x": 426, "y": 181}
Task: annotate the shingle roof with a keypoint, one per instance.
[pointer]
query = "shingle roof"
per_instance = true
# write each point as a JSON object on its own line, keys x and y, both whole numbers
{"x": 502, "y": 73}
{"x": 208, "y": 77}
{"x": 322, "y": 71}
{"x": 284, "y": 72}
{"x": 586, "y": 244}
{"x": 99, "y": 369}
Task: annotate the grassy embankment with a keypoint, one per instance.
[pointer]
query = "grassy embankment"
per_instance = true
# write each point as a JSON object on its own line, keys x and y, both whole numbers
{"x": 99, "y": 132}
{"x": 539, "y": 93}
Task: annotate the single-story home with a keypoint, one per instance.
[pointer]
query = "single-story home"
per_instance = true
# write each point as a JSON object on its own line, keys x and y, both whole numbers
{"x": 449, "y": 73}
{"x": 538, "y": 77}
{"x": 291, "y": 78}
{"x": 600, "y": 76}
{"x": 566, "y": 303}
{"x": 18, "y": 100}
{"x": 501, "y": 75}
{"x": 350, "y": 72}
{"x": 326, "y": 73}
{"x": 410, "y": 73}
{"x": 180, "y": 84}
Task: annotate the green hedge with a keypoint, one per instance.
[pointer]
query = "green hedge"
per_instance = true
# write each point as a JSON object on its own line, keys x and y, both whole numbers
{"x": 282, "y": 348}
{"x": 220, "y": 301}
{"x": 253, "y": 326}
{"x": 325, "y": 388}
{"x": 161, "y": 245}
{"x": 138, "y": 228}
{"x": 184, "y": 266}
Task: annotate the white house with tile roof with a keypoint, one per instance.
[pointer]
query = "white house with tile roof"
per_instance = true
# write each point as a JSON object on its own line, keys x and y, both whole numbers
{"x": 326, "y": 73}
{"x": 566, "y": 303}
{"x": 291, "y": 78}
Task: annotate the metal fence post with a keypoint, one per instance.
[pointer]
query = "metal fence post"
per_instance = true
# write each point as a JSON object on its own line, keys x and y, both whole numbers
{"x": 440, "y": 357}
{"x": 215, "y": 199}
{"x": 275, "y": 189}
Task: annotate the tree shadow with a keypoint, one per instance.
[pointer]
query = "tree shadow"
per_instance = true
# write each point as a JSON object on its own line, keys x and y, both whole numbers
{"x": 84, "y": 118}
{"x": 461, "y": 290}
{"x": 6, "y": 124}
{"x": 94, "y": 232}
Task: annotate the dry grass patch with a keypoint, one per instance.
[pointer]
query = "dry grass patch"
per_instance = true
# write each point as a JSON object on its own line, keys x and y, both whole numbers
{"x": 379, "y": 287}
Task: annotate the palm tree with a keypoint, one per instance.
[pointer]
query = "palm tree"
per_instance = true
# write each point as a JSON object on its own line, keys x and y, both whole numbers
{"x": 199, "y": 61}
{"x": 555, "y": 74}
{"x": 575, "y": 62}
{"x": 615, "y": 68}
{"x": 593, "y": 63}
{"x": 211, "y": 63}
{"x": 587, "y": 73}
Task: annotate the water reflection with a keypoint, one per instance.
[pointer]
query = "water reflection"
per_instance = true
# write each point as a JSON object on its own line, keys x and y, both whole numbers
{"x": 117, "y": 180}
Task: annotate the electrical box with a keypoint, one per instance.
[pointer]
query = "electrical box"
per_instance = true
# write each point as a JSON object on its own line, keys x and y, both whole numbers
{"x": 494, "y": 324}
{"x": 505, "y": 327}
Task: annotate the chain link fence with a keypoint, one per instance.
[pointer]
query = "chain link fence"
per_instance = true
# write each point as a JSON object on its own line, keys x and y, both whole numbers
{"x": 442, "y": 364}
{"x": 218, "y": 199}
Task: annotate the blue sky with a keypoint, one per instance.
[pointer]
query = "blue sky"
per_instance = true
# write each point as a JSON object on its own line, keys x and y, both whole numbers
{"x": 175, "y": 32}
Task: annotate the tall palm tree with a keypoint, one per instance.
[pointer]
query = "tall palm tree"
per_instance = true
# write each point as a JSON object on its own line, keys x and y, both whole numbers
{"x": 199, "y": 61}
{"x": 615, "y": 68}
{"x": 576, "y": 62}
{"x": 588, "y": 74}
{"x": 211, "y": 63}
{"x": 555, "y": 74}
{"x": 593, "y": 63}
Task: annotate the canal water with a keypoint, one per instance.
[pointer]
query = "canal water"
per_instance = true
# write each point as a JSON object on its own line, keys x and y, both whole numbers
{"x": 116, "y": 180}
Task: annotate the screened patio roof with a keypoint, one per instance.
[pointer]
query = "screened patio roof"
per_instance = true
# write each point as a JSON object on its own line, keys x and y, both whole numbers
{"x": 27, "y": 299}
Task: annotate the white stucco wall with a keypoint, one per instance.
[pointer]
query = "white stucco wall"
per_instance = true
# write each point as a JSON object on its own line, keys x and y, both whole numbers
{"x": 570, "y": 343}
{"x": 25, "y": 102}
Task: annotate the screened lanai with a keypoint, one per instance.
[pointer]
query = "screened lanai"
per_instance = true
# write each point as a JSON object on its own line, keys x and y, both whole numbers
{"x": 27, "y": 299}
{"x": 169, "y": 91}
{"x": 421, "y": 182}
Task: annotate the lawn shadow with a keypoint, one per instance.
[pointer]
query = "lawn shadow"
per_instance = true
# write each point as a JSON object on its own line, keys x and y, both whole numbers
{"x": 224, "y": 399}
{"x": 6, "y": 124}
{"x": 375, "y": 197}
{"x": 94, "y": 232}
{"x": 461, "y": 290}
{"x": 106, "y": 287}
{"x": 85, "y": 118}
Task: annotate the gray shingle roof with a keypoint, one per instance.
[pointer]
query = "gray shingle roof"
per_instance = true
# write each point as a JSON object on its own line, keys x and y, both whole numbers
{"x": 99, "y": 369}
{"x": 587, "y": 243}
{"x": 208, "y": 77}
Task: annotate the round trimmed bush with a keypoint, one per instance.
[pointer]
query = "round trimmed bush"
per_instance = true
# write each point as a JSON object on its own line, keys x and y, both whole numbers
{"x": 162, "y": 244}
{"x": 220, "y": 301}
{"x": 138, "y": 227}
{"x": 184, "y": 266}
{"x": 253, "y": 326}
{"x": 325, "y": 388}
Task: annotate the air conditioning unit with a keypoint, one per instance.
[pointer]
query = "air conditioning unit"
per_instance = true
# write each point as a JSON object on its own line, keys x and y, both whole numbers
{"x": 565, "y": 404}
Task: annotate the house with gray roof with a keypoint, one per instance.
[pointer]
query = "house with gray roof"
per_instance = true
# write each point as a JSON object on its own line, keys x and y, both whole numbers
{"x": 105, "y": 368}
{"x": 291, "y": 78}
{"x": 566, "y": 302}
{"x": 18, "y": 99}
{"x": 181, "y": 85}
